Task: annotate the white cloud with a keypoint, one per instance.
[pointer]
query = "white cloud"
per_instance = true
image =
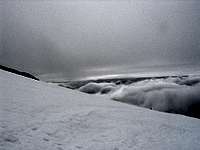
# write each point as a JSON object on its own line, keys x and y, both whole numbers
{"x": 163, "y": 95}
{"x": 93, "y": 88}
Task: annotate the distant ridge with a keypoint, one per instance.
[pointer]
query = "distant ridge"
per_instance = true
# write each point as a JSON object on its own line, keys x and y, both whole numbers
{"x": 25, "y": 74}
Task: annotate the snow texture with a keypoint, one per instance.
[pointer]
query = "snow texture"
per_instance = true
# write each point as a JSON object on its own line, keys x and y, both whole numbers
{"x": 38, "y": 116}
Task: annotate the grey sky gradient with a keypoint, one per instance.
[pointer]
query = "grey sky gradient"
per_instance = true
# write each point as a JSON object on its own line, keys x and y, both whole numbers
{"x": 74, "y": 38}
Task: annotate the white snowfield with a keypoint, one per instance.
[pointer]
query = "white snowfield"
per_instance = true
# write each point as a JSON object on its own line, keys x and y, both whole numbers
{"x": 40, "y": 116}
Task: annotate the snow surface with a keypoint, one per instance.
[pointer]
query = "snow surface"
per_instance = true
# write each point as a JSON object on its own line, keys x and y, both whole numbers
{"x": 38, "y": 116}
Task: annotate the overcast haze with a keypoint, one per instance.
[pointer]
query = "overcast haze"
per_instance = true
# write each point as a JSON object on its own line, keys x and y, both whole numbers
{"x": 82, "y": 38}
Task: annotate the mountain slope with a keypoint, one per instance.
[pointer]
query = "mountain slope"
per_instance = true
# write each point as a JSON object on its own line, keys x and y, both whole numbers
{"x": 36, "y": 116}
{"x": 25, "y": 74}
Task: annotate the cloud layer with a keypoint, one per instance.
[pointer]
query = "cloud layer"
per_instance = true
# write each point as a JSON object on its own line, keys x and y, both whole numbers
{"x": 93, "y": 88}
{"x": 179, "y": 95}
{"x": 175, "y": 95}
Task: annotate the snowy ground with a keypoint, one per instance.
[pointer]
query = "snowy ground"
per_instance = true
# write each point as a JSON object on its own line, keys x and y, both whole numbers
{"x": 38, "y": 116}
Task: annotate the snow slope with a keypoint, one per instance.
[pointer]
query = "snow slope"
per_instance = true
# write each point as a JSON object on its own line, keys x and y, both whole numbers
{"x": 38, "y": 116}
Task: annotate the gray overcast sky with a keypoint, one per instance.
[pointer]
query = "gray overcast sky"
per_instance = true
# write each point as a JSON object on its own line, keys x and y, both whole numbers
{"x": 74, "y": 38}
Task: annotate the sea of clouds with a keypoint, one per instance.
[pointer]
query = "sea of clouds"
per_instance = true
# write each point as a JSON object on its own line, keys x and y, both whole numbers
{"x": 180, "y": 95}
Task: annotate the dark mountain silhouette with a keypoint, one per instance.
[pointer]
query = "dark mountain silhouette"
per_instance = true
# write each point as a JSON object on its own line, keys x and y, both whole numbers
{"x": 25, "y": 74}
